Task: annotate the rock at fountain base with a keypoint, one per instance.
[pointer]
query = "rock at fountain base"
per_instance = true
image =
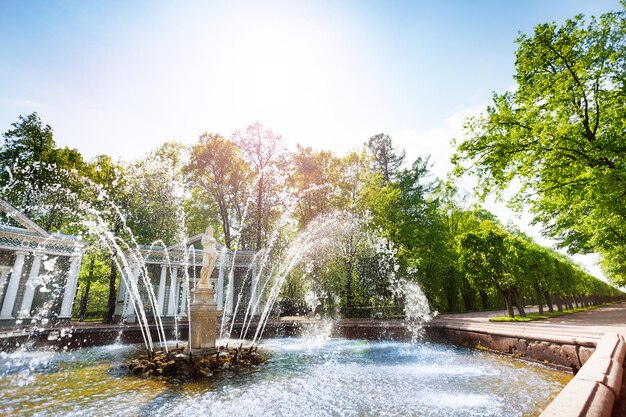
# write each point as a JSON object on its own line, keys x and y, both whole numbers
{"x": 178, "y": 366}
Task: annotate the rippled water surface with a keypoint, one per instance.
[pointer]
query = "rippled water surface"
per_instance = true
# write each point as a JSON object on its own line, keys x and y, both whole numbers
{"x": 337, "y": 377}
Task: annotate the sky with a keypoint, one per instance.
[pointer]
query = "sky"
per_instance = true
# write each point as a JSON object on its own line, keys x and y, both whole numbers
{"x": 121, "y": 77}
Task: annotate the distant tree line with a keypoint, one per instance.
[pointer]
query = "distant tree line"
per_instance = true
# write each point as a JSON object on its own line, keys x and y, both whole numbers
{"x": 395, "y": 221}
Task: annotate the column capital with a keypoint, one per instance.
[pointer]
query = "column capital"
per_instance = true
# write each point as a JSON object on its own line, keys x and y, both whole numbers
{"x": 74, "y": 257}
{"x": 22, "y": 252}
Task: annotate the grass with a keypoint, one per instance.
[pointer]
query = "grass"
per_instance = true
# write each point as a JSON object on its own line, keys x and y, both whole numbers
{"x": 537, "y": 316}
{"x": 90, "y": 319}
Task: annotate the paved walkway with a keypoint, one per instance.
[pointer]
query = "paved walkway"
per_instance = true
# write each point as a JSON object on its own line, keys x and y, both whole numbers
{"x": 611, "y": 318}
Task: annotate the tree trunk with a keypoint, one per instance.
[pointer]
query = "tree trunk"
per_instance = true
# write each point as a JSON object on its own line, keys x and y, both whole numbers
{"x": 549, "y": 301}
{"x": 225, "y": 223}
{"x": 112, "y": 295}
{"x": 559, "y": 306}
{"x": 467, "y": 293}
{"x": 519, "y": 302}
{"x": 484, "y": 299}
{"x": 539, "y": 299}
{"x": 509, "y": 304}
{"x": 259, "y": 214}
{"x": 112, "y": 278}
{"x": 450, "y": 292}
{"x": 349, "y": 300}
{"x": 84, "y": 299}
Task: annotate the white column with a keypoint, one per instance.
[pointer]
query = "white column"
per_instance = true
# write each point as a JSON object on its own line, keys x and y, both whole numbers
{"x": 219, "y": 291}
{"x": 183, "y": 303}
{"x": 129, "y": 311}
{"x": 171, "y": 305}
{"x": 230, "y": 304}
{"x": 121, "y": 293}
{"x": 70, "y": 288}
{"x": 254, "y": 290}
{"x": 31, "y": 286}
{"x": 121, "y": 297}
{"x": 161, "y": 295}
{"x": 14, "y": 282}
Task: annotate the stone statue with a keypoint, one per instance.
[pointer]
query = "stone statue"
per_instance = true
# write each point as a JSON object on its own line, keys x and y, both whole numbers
{"x": 209, "y": 255}
{"x": 203, "y": 309}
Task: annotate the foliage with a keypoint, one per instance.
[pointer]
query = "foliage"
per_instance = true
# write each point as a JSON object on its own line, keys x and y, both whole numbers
{"x": 312, "y": 177}
{"x": 387, "y": 159}
{"x": 37, "y": 175}
{"x": 156, "y": 192}
{"x": 264, "y": 152}
{"x": 385, "y": 224}
{"x": 219, "y": 180}
{"x": 93, "y": 285}
{"x": 560, "y": 133}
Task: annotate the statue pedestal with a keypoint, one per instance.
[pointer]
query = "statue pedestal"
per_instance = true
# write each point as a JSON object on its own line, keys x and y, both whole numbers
{"x": 203, "y": 318}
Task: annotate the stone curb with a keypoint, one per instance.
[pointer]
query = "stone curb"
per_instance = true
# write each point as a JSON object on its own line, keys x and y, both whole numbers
{"x": 597, "y": 386}
{"x": 581, "y": 399}
{"x": 588, "y": 339}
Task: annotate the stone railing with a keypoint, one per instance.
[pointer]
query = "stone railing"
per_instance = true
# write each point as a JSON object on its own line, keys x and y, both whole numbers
{"x": 597, "y": 385}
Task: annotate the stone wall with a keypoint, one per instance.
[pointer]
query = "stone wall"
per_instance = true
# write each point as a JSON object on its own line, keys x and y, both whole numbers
{"x": 561, "y": 351}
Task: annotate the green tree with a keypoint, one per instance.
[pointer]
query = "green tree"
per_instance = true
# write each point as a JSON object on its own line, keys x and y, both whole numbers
{"x": 37, "y": 177}
{"x": 560, "y": 132}
{"x": 387, "y": 159}
{"x": 218, "y": 176}
{"x": 156, "y": 192}
{"x": 93, "y": 285}
{"x": 264, "y": 152}
{"x": 407, "y": 213}
{"x": 486, "y": 259}
{"x": 110, "y": 198}
{"x": 311, "y": 176}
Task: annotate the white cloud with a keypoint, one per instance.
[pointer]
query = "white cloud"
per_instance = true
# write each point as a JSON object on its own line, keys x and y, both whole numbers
{"x": 435, "y": 142}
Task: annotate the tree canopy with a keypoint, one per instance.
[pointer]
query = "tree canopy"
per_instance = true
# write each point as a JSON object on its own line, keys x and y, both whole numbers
{"x": 560, "y": 133}
{"x": 380, "y": 230}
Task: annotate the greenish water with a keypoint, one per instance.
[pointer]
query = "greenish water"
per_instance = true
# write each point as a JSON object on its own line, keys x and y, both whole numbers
{"x": 336, "y": 377}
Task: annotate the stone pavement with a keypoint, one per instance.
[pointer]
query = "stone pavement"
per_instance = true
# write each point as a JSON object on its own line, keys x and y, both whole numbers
{"x": 611, "y": 318}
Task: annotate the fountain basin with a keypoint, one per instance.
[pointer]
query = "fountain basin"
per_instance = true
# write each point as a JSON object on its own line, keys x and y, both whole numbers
{"x": 304, "y": 377}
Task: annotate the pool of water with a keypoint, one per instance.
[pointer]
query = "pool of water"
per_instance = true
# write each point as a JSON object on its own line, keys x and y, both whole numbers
{"x": 336, "y": 377}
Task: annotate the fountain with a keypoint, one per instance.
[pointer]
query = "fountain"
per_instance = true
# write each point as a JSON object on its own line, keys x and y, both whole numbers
{"x": 203, "y": 310}
{"x": 318, "y": 373}
{"x": 202, "y": 359}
